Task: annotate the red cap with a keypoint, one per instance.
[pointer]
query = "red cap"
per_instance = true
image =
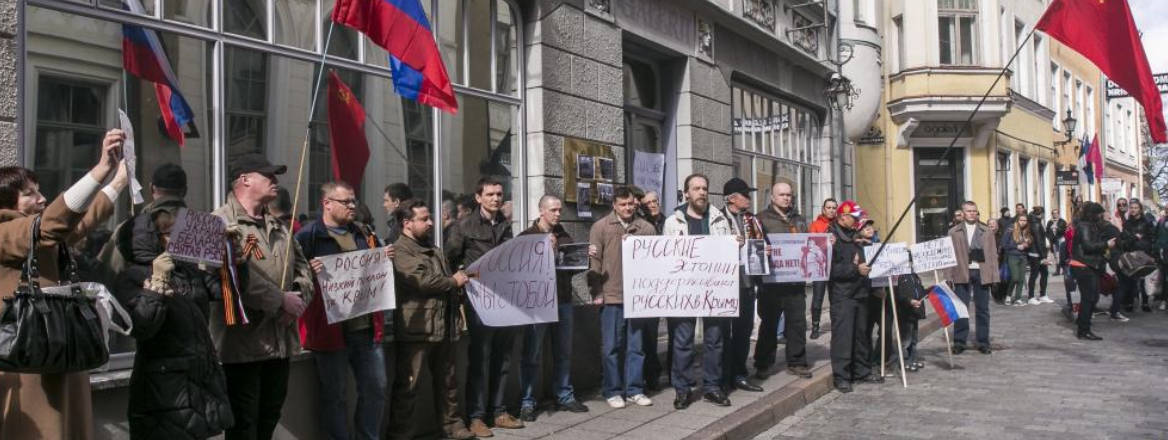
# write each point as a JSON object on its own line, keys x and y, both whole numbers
{"x": 849, "y": 207}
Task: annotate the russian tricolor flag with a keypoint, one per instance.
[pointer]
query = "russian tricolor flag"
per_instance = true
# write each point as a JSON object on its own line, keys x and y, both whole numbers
{"x": 947, "y": 305}
{"x": 142, "y": 56}
{"x": 401, "y": 27}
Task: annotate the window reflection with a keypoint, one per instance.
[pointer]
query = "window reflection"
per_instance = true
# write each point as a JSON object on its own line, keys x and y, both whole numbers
{"x": 246, "y": 90}
{"x": 245, "y": 17}
{"x": 482, "y": 134}
{"x": 196, "y": 12}
{"x": 295, "y": 23}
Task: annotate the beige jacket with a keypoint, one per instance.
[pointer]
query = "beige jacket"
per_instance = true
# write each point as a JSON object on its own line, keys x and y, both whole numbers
{"x": 605, "y": 272}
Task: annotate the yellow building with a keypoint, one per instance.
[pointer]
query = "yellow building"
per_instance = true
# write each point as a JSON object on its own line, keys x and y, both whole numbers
{"x": 1076, "y": 84}
{"x": 940, "y": 58}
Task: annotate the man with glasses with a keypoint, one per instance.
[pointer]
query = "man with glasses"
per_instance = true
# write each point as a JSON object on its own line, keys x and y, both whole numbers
{"x": 256, "y": 356}
{"x": 977, "y": 267}
{"x": 353, "y": 344}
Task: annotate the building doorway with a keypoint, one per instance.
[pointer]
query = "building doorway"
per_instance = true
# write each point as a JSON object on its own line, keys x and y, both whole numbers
{"x": 942, "y": 178}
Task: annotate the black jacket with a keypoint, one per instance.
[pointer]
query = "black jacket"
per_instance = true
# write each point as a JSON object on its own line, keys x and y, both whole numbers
{"x": 1055, "y": 230}
{"x": 1089, "y": 245}
{"x": 846, "y": 280}
{"x": 908, "y": 288}
{"x": 1137, "y": 235}
{"x": 563, "y": 277}
{"x": 177, "y": 389}
{"x": 473, "y": 237}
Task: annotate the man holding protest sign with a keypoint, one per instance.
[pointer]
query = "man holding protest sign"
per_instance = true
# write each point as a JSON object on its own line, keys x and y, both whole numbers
{"x": 606, "y": 281}
{"x": 779, "y": 299}
{"x": 977, "y": 267}
{"x": 848, "y": 291}
{"x": 696, "y": 218}
{"x": 428, "y": 323}
{"x": 737, "y": 339}
{"x": 355, "y": 342}
{"x": 548, "y": 222}
{"x": 490, "y": 347}
{"x": 256, "y": 353}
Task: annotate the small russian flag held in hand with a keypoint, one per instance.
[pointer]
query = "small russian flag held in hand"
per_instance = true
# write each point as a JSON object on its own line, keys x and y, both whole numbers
{"x": 401, "y": 28}
{"x": 143, "y": 57}
{"x": 947, "y": 305}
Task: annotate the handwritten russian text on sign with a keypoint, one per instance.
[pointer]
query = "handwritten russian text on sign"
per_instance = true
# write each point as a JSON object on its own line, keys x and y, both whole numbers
{"x": 680, "y": 276}
{"x": 649, "y": 171}
{"x": 197, "y": 237}
{"x": 933, "y": 255}
{"x": 796, "y": 258}
{"x": 356, "y": 283}
{"x": 515, "y": 283}
{"x": 893, "y": 260}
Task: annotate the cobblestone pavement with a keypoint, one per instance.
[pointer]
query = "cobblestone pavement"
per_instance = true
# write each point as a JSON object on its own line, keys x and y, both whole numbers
{"x": 1039, "y": 383}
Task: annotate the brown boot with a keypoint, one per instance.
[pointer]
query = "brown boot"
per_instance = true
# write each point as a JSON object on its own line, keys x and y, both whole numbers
{"x": 480, "y": 429}
{"x": 506, "y": 421}
{"x": 459, "y": 432}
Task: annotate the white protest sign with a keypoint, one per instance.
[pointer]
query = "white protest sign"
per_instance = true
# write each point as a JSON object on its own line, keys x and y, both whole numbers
{"x": 680, "y": 276}
{"x": 649, "y": 171}
{"x": 197, "y": 237}
{"x": 130, "y": 156}
{"x": 356, "y": 283}
{"x": 796, "y": 258}
{"x": 515, "y": 283}
{"x": 893, "y": 260}
{"x": 933, "y": 255}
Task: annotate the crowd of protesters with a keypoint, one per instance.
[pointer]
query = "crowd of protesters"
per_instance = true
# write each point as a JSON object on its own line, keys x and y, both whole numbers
{"x": 196, "y": 376}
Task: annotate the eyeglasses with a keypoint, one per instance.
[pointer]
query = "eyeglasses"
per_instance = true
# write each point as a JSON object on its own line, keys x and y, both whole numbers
{"x": 349, "y": 202}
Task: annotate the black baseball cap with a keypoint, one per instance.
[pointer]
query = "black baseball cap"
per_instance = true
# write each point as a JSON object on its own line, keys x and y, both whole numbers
{"x": 253, "y": 163}
{"x": 737, "y": 186}
{"x": 170, "y": 176}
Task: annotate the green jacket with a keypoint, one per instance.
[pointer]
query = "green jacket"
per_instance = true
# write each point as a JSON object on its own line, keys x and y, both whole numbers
{"x": 265, "y": 336}
{"x": 429, "y": 306}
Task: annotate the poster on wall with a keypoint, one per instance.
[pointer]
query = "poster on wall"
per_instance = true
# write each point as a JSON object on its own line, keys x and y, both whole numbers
{"x": 649, "y": 171}
{"x": 584, "y": 200}
{"x": 606, "y": 168}
{"x": 586, "y": 162}
{"x": 584, "y": 169}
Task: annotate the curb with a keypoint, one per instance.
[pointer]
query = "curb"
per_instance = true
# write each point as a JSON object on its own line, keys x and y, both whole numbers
{"x": 762, "y": 414}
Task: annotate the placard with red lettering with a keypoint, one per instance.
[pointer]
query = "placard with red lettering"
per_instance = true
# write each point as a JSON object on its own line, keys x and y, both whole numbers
{"x": 680, "y": 276}
{"x": 515, "y": 283}
{"x": 797, "y": 258}
{"x": 356, "y": 283}
{"x": 197, "y": 237}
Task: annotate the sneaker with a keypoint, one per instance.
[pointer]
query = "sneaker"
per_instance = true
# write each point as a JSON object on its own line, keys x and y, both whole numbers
{"x": 641, "y": 400}
{"x": 1045, "y": 300}
{"x": 1119, "y": 317}
{"x": 1033, "y": 302}
{"x": 1164, "y": 305}
{"x": 1019, "y": 303}
{"x": 1007, "y": 302}
{"x": 616, "y": 402}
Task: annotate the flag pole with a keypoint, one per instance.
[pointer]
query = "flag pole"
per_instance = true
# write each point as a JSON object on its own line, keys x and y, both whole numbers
{"x": 883, "y": 333}
{"x": 304, "y": 153}
{"x": 899, "y": 345}
{"x": 960, "y": 131}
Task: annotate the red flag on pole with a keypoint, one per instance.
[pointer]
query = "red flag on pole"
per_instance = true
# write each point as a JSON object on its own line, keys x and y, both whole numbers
{"x": 350, "y": 150}
{"x": 1105, "y": 33}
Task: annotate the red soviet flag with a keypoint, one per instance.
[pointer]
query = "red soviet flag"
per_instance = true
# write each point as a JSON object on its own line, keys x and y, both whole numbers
{"x": 1105, "y": 33}
{"x": 346, "y": 117}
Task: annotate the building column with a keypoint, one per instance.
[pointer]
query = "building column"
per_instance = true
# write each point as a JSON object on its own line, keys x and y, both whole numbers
{"x": 11, "y": 48}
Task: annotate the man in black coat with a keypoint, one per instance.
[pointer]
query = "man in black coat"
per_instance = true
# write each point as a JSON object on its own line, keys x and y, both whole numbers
{"x": 848, "y": 290}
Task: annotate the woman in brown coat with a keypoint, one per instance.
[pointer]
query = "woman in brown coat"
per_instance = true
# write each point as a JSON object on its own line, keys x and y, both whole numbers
{"x": 51, "y": 406}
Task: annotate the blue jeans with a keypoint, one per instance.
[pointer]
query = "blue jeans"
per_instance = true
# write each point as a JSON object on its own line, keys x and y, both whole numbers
{"x": 682, "y": 330}
{"x": 367, "y": 361}
{"x": 617, "y": 333}
{"x": 981, "y": 300}
{"x": 561, "y": 358}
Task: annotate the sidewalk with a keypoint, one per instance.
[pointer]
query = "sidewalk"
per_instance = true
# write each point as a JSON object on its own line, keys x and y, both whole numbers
{"x": 750, "y": 413}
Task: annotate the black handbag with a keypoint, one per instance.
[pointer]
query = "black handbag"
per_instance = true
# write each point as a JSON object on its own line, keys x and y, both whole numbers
{"x": 1136, "y": 264}
{"x": 46, "y": 333}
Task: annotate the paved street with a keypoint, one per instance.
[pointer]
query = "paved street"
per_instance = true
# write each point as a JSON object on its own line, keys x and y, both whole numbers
{"x": 1040, "y": 382}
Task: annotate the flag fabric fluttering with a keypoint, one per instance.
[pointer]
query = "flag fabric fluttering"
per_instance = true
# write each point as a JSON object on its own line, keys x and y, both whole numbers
{"x": 1086, "y": 171}
{"x": 143, "y": 57}
{"x": 1095, "y": 158}
{"x": 350, "y": 149}
{"x": 1104, "y": 32}
{"x": 948, "y": 306}
{"x": 401, "y": 28}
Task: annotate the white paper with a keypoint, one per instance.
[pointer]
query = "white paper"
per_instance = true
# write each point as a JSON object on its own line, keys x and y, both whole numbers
{"x": 754, "y": 258}
{"x": 933, "y": 255}
{"x": 356, "y": 283}
{"x": 893, "y": 260}
{"x": 796, "y": 258}
{"x": 198, "y": 237}
{"x": 649, "y": 171}
{"x": 130, "y": 157}
{"x": 515, "y": 283}
{"x": 680, "y": 276}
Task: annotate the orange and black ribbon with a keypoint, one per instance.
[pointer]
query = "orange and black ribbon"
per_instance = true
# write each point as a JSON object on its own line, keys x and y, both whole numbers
{"x": 233, "y": 313}
{"x": 251, "y": 248}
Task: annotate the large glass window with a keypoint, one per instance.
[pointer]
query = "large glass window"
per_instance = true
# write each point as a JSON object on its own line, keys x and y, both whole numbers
{"x": 1024, "y": 180}
{"x": 1002, "y": 179}
{"x": 774, "y": 140}
{"x": 957, "y": 27}
{"x": 70, "y": 126}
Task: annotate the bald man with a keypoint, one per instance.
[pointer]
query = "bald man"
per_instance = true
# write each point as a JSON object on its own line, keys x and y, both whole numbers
{"x": 776, "y": 299}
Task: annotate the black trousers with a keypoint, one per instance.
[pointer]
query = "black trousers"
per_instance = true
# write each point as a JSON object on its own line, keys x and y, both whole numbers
{"x": 774, "y": 300}
{"x": 1087, "y": 280}
{"x": 649, "y": 334}
{"x": 818, "y": 292}
{"x": 256, "y": 391}
{"x": 1039, "y": 271}
{"x": 487, "y": 368}
{"x": 851, "y": 347}
{"x": 736, "y": 341}
{"x": 872, "y": 306}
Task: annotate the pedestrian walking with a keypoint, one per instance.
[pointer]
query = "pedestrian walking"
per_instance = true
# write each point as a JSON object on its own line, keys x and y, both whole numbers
{"x": 1038, "y": 258}
{"x": 1089, "y": 262}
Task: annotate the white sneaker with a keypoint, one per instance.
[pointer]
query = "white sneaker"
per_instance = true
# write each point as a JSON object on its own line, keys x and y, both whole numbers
{"x": 1007, "y": 302}
{"x": 1045, "y": 300}
{"x": 616, "y": 402}
{"x": 1164, "y": 305}
{"x": 1119, "y": 317}
{"x": 1033, "y": 302}
{"x": 1019, "y": 303}
{"x": 641, "y": 400}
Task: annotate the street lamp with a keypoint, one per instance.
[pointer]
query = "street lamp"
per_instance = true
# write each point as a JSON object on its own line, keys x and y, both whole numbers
{"x": 840, "y": 92}
{"x": 1069, "y": 123}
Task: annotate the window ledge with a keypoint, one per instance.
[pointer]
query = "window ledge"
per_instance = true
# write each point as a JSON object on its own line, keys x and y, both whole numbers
{"x": 114, "y": 379}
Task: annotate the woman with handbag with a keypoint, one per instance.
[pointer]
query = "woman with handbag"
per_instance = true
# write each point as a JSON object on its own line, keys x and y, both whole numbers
{"x": 1016, "y": 243}
{"x": 1137, "y": 236}
{"x": 1089, "y": 262}
{"x": 50, "y": 405}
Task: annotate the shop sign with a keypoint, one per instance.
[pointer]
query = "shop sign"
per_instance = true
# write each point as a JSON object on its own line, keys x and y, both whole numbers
{"x": 1111, "y": 185}
{"x": 1066, "y": 178}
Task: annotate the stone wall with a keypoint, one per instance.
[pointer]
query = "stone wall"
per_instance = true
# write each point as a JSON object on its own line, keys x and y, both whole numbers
{"x": 10, "y": 82}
